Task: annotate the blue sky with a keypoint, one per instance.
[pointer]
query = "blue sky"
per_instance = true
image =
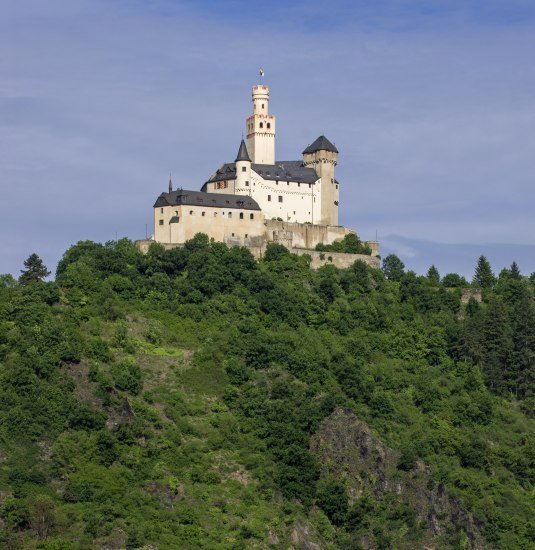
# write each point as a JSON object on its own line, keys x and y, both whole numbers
{"x": 431, "y": 104}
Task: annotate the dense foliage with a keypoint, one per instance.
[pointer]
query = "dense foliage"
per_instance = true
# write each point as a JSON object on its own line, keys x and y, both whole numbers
{"x": 350, "y": 244}
{"x": 168, "y": 399}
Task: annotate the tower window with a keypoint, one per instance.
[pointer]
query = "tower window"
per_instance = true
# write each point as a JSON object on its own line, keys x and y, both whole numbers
{"x": 161, "y": 222}
{"x": 261, "y": 125}
{"x": 262, "y": 105}
{"x": 337, "y": 187}
{"x": 246, "y": 235}
{"x": 203, "y": 214}
{"x": 269, "y": 198}
{"x": 230, "y": 214}
{"x": 243, "y": 169}
{"x": 269, "y": 124}
{"x": 161, "y": 210}
{"x": 251, "y": 216}
{"x": 280, "y": 198}
{"x": 241, "y": 215}
{"x": 246, "y": 184}
{"x": 191, "y": 212}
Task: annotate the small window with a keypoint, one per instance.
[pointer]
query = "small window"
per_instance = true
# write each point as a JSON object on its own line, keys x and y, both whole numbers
{"x": 269, "y": 124}
{"x": 287, "y": 183}
{"x": 277, "y": 183}
{"x": 244, "y": 169}
{"x": 261, "y": 125}
{"x": 230, "y": 214}
{"x": 203, "y": 214}
{"x": 337, "y": 187}
{"x": 161, "y": 222}
{"x": 262, "y": 105}
{"x": 233, "y": 234}
{"x": 241, "y": 215}
{"x": 176, "y": 212}
{"x": 332, "y": 180}
{"x": 161, "y": 210}
{"x": 251, "y": 216}
{"x": 294, "y": 212}
{"x": 298, "y": 185}
{"x": 191, "y": 212}
{"x": 280, "y": 198}
{"x": 309, "y": 185}
{"x": 246, "y": 235}
{"x": 246, "y": 184}
{"x": 269, "y": 198}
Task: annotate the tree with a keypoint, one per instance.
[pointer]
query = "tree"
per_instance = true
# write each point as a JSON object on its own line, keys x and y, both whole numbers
{"x": 393, "y": 268}
{"x": 515, "y": 271}
{"x": 35, "y": 270}
{"x": 453, "y": 280}
{"x": 433, "y": 275}
{"x": 483, "y": 275}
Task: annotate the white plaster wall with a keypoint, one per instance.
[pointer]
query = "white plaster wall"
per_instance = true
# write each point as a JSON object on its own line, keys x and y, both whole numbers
{"x": 218, "y": 223}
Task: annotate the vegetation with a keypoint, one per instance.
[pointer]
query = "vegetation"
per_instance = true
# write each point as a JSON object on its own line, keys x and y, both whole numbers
{"x": 350, "y": 244}
{"x": 174, "y": 400}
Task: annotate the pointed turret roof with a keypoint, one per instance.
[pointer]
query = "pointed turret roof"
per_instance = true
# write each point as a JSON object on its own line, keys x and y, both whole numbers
{"x": 242, "y": 152}
{"x": 321, "y": 144}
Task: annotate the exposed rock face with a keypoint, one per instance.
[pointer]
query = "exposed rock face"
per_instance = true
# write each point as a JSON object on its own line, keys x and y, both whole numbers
{"x": 346, "y": 448}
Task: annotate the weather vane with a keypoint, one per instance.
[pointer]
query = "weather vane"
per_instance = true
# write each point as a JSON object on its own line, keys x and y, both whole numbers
{"x": 261, "y": 75}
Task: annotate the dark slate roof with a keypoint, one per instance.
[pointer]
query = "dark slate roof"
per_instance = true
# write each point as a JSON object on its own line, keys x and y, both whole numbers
{"x": 243, "y": 153}
{"x": 199, "y": 198}
{"x": 287, "y": 170}
{"x": 321, "y": 144}
{"x": 225, "y": 172}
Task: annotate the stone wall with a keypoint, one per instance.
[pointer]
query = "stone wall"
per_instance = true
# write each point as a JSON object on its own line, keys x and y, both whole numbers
{"x": 305, "y": 235}
{"x": 257, "y": 249}
{"x": 341, "y": 260}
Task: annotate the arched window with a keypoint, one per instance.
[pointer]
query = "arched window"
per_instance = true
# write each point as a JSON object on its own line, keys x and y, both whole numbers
{"x": 261, "y": 125}
{"x": 269, "y": 124}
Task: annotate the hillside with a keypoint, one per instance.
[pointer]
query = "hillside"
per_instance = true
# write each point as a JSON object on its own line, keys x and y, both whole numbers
{"x": 194, "y": 398}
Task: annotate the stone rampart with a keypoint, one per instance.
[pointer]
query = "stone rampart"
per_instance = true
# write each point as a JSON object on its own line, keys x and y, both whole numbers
{"x": 341, "y": 260}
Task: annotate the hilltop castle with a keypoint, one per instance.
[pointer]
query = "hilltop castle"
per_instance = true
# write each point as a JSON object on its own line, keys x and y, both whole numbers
{"x": 256, "y": 199}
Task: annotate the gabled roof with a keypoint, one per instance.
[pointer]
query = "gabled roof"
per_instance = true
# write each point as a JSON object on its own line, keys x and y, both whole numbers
{"x": 242, "y": 152}
{"x": 199, "y": 198}
{"x": 321, "y": 144}
{"x": 286, "y": 170}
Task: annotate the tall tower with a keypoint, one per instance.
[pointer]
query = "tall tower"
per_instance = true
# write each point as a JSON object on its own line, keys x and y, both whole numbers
{"x": 261, "y": 128}
{"x": 322, "y": 155}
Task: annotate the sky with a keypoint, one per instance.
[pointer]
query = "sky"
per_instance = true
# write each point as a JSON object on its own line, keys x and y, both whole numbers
{"x": 430, "y": 102}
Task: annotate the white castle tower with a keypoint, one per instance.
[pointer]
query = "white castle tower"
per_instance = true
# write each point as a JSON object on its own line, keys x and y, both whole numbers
{"x": 261, "y": 128}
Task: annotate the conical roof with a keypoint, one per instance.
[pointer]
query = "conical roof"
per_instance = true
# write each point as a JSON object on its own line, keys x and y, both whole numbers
{"x": 242, "y": 152}
{"x": 321, "y": 144}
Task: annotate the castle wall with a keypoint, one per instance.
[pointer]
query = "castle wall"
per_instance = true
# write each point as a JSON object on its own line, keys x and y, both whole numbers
{"x": 217, "y": 223}
{"x": 306, "y": 235}
{"x": 338, "y": 259}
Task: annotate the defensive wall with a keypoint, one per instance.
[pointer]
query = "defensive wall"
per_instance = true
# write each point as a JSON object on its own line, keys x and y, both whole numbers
{"x": 257, "y": 247}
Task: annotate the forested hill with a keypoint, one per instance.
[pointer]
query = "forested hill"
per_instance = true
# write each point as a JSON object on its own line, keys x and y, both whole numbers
{"x": 194, "y": 398}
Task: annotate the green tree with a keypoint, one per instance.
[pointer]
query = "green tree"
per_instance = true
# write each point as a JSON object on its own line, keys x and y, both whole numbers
{"x": 483, "y": 276}
{"x": 393, "y": 268}
{"x": 515, "y": 271}
{"x": 35, "y": 270}
{"x": 433, "y": 275}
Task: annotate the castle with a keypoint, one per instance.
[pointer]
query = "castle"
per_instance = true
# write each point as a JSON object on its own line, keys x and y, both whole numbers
{"x": 256, "y": 199}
